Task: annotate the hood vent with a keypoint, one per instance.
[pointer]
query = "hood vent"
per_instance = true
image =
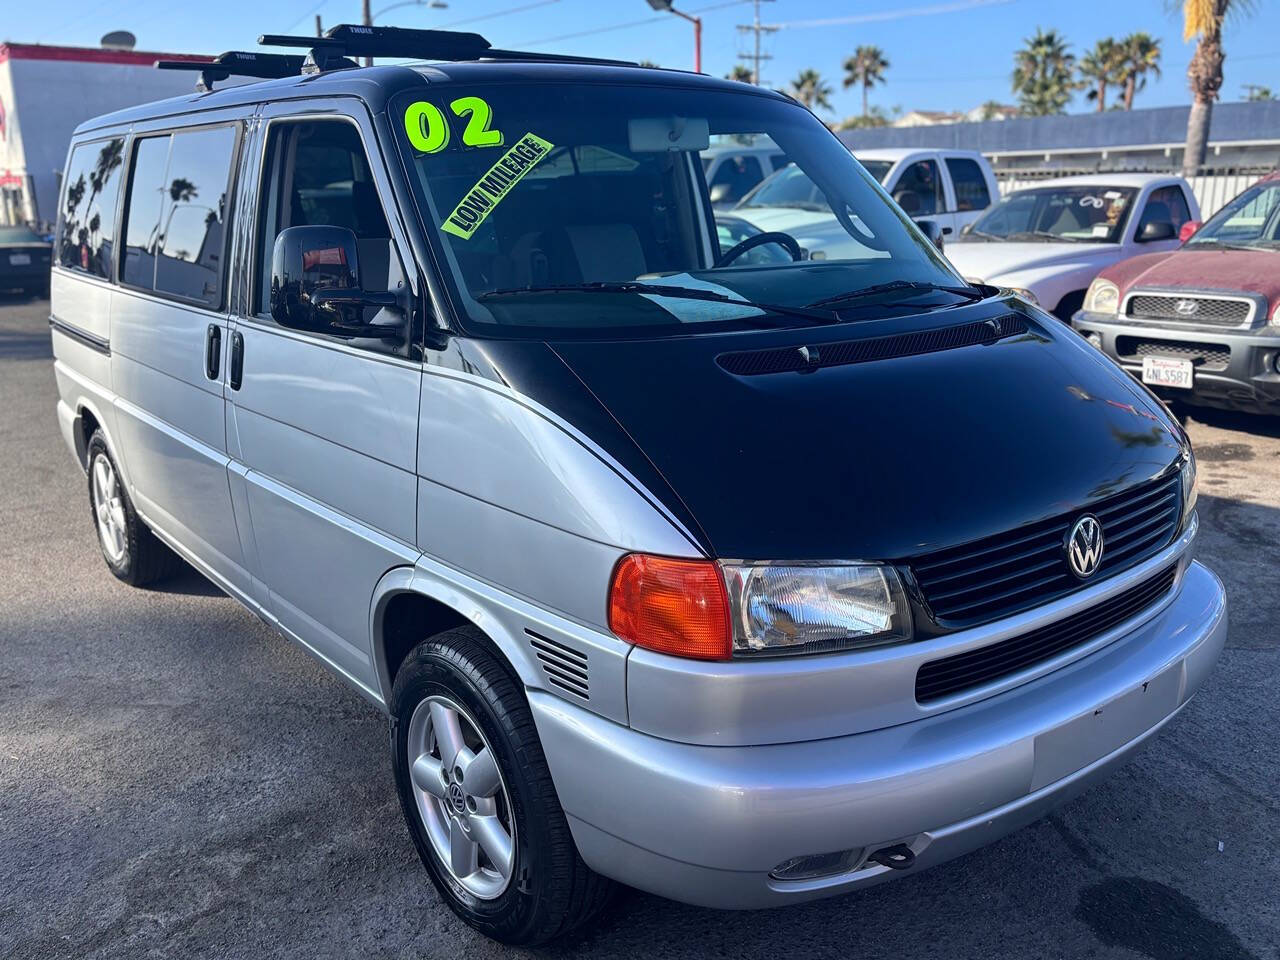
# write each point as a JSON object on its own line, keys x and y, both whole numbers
{"x": 816, "y": 356}
{"x": 564, "y": 666}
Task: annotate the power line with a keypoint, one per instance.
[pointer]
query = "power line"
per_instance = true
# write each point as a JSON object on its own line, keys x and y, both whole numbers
{"x": 887, "y": 15}
{"x": 759, "y": 29}
{"x": 499, "y": 13}
{"x": 624, "y": 26}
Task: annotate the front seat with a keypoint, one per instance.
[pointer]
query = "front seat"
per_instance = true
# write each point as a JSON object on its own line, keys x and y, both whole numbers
{"x": 607, "y": 251}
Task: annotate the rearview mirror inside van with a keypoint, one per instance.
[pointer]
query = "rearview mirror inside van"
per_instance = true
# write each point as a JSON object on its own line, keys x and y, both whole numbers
{"x": 661, "y": 134}
{"x": 315, "y": 284}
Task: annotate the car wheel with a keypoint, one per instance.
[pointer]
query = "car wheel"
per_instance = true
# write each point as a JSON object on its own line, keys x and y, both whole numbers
{"x": 478, "y": 798}
{"x": 131, "y": 550}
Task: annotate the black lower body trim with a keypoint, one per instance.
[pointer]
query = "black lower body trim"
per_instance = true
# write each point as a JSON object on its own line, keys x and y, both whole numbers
{"x": 92, "y": 341}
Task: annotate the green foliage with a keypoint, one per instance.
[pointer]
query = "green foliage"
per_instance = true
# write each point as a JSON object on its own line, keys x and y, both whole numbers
{"x": 1043, "y": 74}
{"x": 810, "y": 89}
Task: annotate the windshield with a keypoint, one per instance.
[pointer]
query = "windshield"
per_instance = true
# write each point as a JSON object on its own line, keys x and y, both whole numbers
{"x": 581, "y": 188}
{"x": 1250, "y": 220}
{"x": 789, "y": 187}
{"x": 1095, "y": 213}
{"x": 877, "y": 168}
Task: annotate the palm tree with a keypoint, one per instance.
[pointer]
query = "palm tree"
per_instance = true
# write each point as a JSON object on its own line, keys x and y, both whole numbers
{"x": 1255, "y": 93}
{"x": 1101, "y": 66}
{"x": 866, "y": 68}
{"x": 1140, "y": 55}
{"x": 1042, "y": 74}
{"x": 740, "y": 72}
{"x": 1202, "y": 20}
{"x": 811, "y": 90}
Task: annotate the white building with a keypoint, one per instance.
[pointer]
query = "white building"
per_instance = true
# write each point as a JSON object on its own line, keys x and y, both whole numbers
{"x": 45, "y": 92}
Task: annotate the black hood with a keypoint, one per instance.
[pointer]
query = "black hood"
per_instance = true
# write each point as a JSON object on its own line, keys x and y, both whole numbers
{"x": 859, "y": 452}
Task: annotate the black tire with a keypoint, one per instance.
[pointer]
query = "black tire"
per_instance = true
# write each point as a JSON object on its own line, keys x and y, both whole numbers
{"x": 145, "y": 559}
{"x": 551, "y": 891}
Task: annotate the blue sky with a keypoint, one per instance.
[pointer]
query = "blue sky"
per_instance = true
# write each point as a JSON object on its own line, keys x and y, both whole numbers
{"x": 944, "y": 54}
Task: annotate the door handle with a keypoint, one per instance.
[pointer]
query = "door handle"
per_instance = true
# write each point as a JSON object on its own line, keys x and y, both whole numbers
{"x": 213, "y": 351}
{"x": 237, "y": 359}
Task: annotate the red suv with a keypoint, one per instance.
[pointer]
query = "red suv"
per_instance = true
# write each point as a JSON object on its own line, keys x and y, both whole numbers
{"x": 1200, "y": 323}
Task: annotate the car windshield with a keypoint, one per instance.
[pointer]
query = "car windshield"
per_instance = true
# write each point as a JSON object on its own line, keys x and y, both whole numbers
{"x": 877, "y": 168}
{"x": 553, "y": 204}
{"x": 1093, "y": 213}
{"x": 1250, "y": 220}
{"x": 19, "y": 235}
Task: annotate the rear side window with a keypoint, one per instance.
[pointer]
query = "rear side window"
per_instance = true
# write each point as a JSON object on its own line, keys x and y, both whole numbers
{"x": 176, "y": 216}
{"x": 87, "y": 220}
{"x": 970, "y": 184}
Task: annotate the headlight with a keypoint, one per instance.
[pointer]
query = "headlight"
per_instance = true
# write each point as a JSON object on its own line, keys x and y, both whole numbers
{"x": 1103, "y": 297}
{"x": 786, "y": 608}
{"x": 1189, "y": 493}
{"x": 1026, "y": 295}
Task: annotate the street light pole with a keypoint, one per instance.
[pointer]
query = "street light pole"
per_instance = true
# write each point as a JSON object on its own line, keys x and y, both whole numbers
{"x": 665, "y": 6}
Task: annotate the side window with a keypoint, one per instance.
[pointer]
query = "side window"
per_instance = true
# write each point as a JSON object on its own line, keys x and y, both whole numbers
{"x": 1167, "y": 203}
{"x": 316, "y": 173}
{"x": 919, "y": 189}
{"x": 733, "y": 178}
{"x": 970, "y": 184}
{"x": 87, "y": 219}
{"x": 142, "y": 212}
{"x": 192, "y": 237}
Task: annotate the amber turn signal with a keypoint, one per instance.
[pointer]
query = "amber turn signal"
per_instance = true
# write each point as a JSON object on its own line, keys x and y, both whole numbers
{"x": 672, "y": 606}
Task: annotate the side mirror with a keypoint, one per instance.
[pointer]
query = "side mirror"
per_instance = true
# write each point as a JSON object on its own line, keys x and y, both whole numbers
{"x": 315, "y": 285}
{"x": 1188, "y": 230}
{"x": 931, "y": 230}
{"x": 1154, "y": 230}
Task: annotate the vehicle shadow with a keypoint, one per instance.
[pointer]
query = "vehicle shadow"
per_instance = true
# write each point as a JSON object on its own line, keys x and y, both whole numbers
{"x": 1256, "y": 424}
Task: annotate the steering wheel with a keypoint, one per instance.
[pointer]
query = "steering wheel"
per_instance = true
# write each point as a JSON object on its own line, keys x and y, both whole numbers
{"x": 784, "y": 240}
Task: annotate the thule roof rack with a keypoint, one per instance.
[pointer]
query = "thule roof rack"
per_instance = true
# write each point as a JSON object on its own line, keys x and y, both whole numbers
{"x": 352, "y": 40}
{"x": 238, "y": 63}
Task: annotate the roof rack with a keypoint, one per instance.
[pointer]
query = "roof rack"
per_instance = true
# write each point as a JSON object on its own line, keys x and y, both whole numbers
{"x": 238, "y": 63}
{"x": 352, "y": 40}
{"x": 336, "y": 48}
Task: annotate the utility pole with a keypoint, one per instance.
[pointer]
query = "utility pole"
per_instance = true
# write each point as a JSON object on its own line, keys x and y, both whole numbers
{"x": 319, "y": 29}
{"x": 759, "y": 29}
{"x": 367, "y": 20}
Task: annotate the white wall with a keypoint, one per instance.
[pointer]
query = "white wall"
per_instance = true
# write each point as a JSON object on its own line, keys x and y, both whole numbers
{"x": 45, "y": 100}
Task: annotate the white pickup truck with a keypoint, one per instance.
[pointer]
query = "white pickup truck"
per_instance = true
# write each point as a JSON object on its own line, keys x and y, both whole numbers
{"x": 949, "y": 187}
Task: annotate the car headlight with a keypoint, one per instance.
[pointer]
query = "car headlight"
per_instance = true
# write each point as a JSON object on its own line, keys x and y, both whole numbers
{"x": 1026, "y": 295}
{"x": 1189, "y": 493}
{"x": 1103, "y": 297}
{"x": 798, "y": 608}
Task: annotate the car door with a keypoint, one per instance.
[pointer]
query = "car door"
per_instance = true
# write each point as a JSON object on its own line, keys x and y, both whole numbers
{"x": 324, "y": 429}
{"x": 969, "y": 187}
{"x": 169, "y": 323}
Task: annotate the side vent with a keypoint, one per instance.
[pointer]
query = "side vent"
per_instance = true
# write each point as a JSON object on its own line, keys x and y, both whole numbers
{"x": 564, "y": 666}
{"x": 816, "y": 356}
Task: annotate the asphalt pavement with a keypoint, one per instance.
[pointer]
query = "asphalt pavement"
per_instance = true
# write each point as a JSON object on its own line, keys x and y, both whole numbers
{"x": 177, "y": 781}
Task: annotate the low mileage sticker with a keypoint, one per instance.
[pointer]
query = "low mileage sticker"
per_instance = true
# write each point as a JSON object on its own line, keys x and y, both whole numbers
{"x": 493, "y": 187}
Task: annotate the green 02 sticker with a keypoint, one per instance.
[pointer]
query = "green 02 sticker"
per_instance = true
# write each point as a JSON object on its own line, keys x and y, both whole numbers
{"x": 428, "y": 129}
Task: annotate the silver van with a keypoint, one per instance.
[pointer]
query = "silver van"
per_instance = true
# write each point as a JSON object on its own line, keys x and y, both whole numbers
{"x": 744, "y": 580}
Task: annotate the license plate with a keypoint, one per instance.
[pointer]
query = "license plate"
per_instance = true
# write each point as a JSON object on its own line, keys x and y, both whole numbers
{"x": 19, "y": 259}
{"x": 1164, "y": 372}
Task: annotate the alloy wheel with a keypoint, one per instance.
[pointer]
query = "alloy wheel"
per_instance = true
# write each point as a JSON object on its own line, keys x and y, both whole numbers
{"x": 108, "y": 509}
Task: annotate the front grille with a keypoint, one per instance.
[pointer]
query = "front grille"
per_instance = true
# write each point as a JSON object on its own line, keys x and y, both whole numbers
{"x": 1195, "y": 309}
{"x": 1206, "y": 356}
{"x": 1003, "y": 574}
{"x": 754, "y": 363}
{"x": 951, "y": 675}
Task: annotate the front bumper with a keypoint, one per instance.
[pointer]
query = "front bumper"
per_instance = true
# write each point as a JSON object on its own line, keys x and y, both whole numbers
{"x": 707, "y": 825}
{"x": 1249, "y": 381}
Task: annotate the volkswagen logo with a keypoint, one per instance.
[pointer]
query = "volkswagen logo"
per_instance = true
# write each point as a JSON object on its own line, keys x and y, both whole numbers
{"x": 1084, "y": 547}
{"x": 457, "y": 799}
{"x": 1186, "y": 308}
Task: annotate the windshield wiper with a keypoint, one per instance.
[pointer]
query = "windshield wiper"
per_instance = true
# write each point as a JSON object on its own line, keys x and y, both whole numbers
{"x": 670, "y": 290}
{"x": 1214, "y": 241}
{"x": 990, "y": 236}
{"x": 970, "y": 293}
{"x": 1046, "y": 235}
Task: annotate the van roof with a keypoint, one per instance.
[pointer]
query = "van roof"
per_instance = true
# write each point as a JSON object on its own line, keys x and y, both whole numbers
{"x": 375, "y": 85}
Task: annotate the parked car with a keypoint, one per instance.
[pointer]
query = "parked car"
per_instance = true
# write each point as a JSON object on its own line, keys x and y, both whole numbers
{"x": 24, "y": 261}
{"x": 391, "y": 378}
{"x": 949, "y": 187}
{"x": 734, "y": 166}
{"x": 1049, "y": 241}
{"x": 1201, "y": 323}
